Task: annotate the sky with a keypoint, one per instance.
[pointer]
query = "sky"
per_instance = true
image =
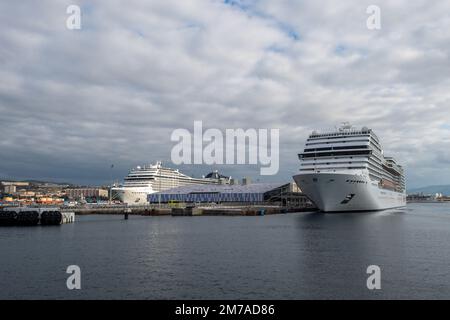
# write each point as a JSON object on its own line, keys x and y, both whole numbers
{"x": 73, "y": 102}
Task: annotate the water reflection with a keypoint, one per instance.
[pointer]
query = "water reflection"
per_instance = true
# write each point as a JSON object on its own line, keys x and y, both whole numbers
{"x": 291, "y": 256}
{"x": 336, "y": 249}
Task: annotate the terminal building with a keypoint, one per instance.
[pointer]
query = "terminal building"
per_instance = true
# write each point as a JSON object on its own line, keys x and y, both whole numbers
{"x": 286, "y": 194}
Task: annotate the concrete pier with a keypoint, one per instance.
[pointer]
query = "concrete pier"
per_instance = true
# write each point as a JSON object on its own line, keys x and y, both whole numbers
{"x": 34, "y": 216}
{"x": 192, "y": 211}
{"x": 9, "y": 215}
{"x": 235, "y": 211}
{"x": 120, "y": 210}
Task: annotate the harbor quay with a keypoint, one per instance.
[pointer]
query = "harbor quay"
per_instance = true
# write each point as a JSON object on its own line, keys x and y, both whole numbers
{"x": 198, "y": 199}
{"x": 190, "y": 210}
{"x": 33, "y": 216}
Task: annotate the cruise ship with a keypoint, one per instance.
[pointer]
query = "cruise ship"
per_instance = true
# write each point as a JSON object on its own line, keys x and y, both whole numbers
{"x": 144, "y": 180}
{"x": 345, "y": 170}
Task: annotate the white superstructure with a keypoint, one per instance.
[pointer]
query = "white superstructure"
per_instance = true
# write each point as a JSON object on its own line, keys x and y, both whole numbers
{"x": 144, "y": 180}
{"x": 345, "y": 170}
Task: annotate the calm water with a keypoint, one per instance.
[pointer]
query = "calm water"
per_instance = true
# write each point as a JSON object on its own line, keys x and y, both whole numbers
{"x": 292, "y": 256}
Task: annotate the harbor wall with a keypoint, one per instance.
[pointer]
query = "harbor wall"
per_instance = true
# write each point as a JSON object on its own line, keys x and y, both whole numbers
{"x": 193, "y": 211}
{"x": 34, "y": 216}
{"x": 49, "y": 215}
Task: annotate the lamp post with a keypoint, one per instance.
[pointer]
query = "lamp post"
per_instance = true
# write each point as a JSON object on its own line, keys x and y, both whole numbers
{"x": 159, "y": 191}
{"x": 112, "y": 182}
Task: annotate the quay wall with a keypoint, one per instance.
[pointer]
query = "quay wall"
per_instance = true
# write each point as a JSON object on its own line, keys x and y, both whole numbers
{"x": 165, "y": 210}
{"x": 192, "y": 211}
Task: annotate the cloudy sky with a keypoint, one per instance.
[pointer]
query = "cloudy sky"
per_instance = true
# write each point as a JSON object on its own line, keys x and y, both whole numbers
{"x": 73, "y": 102}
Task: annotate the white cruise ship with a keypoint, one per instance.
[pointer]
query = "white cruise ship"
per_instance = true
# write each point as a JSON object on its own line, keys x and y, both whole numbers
{"x": 346, "y": 170}
{"x": 144, "y": 180}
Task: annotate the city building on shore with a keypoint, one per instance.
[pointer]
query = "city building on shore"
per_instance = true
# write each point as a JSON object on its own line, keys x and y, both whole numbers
{"x": 421, "y": 197}
{"x": 83, "y": 193}
{"x": 10, "y": 187}
{"x": 31, "y": 192}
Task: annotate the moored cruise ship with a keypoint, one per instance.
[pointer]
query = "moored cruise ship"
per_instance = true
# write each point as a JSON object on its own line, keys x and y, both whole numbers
{"x": 144, "y": 180}
{"x": 346, "y": 170}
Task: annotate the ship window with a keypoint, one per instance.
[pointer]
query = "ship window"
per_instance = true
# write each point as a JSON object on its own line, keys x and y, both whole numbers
{"x": 336, "y": 153}
{"x": 351, "y": 147}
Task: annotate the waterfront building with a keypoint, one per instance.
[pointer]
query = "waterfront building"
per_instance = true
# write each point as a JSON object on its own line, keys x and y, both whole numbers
{"x": 9, "y": 189}
{"x": 257, "y": 193}
{"x": 81, "y": 193}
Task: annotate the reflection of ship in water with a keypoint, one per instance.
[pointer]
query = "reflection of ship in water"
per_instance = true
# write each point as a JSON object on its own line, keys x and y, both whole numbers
{"x": 144, "y": 180}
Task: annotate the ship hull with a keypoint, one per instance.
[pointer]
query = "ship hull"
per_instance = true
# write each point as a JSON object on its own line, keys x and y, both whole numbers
{"x": 132, "y": 196}
{"x": 344, "y": 192}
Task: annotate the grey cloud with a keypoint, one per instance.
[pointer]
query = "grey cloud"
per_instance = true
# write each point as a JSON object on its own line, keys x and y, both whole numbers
{"x": 73, "y": 102}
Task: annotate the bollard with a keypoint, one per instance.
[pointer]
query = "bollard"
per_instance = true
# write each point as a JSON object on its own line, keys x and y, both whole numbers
{"x": 126, "y": 213}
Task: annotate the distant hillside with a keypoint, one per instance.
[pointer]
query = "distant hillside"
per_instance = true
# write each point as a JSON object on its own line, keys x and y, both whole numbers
{"x": 38, "y": 182}
{"x": 445, "y": 190}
